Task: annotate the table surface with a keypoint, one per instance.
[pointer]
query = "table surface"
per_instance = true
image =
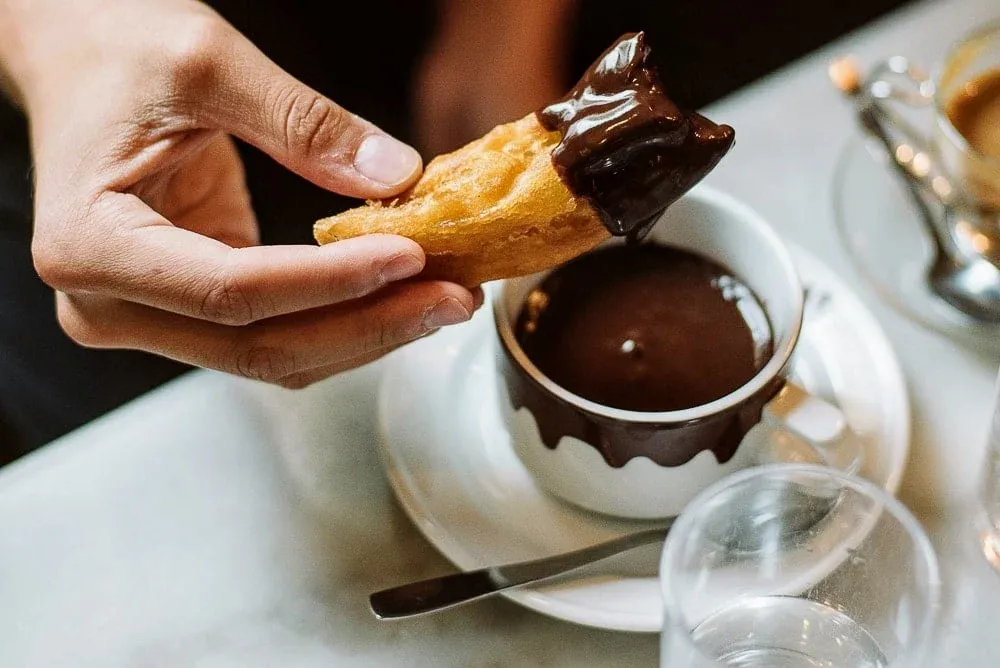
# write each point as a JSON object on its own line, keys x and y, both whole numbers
{"x": 218, "y": 522}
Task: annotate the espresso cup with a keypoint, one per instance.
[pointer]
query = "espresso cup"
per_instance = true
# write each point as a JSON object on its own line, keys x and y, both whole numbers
{"x": 604, "y": 459}
{"x": 944, "y": 160}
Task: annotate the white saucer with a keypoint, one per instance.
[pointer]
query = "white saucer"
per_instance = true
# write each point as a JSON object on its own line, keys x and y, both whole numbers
{"x": 451, "y": 465}
{"x": 879, "y": 226}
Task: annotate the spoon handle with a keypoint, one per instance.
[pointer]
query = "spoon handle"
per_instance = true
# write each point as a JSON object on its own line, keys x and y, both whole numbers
{"x": 448, "y": 591}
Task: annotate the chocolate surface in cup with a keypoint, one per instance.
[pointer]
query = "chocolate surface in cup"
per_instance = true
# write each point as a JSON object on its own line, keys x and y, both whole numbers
{"x": 974, "y": 110}
{"x": 626, "y": 147}
{"x": 645, "y": 328}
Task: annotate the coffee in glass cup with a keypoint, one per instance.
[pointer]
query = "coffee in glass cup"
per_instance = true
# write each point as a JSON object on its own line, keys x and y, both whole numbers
{"x": 959, "y": 163}
{"x": 975, "y": 112}
{"x": 969, "y": 106}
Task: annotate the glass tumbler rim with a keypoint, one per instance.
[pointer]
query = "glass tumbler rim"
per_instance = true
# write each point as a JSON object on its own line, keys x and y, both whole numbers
{"x": 686, "y": 522}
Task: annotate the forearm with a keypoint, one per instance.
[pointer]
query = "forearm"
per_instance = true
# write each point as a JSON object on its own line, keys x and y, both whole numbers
{"x": 12, "y": 65}
{"x": 44, "y": 44}
{"x": 40, "y": 39}
{"x": 535, "y": 27}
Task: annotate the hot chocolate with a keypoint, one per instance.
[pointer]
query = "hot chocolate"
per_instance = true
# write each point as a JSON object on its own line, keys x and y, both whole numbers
{"x": 645, "y": 328}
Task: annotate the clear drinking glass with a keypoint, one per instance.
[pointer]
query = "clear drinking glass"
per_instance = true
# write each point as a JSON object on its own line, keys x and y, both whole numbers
{"x": 989, "y": 490}
{"x": 790, "y": 566}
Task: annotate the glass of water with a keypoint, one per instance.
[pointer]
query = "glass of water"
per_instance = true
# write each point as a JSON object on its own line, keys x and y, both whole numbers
{"x": 990, "y": 488}
{"x": 789, "y": 566}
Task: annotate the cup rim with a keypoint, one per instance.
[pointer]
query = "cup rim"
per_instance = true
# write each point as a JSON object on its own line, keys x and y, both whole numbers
{"x": 685, "y": 521}
{"x": 984, "y": 30}
{"x": 764, "y": 376}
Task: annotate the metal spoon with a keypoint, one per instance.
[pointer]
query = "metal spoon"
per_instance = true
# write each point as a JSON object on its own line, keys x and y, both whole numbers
{"x": 798, "y": 513}
{"x": 965, "y": 272}
{"x": 441, "y": 593}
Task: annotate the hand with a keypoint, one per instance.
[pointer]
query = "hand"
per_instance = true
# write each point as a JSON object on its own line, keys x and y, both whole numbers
{"x": 143, "y": 223}
{"x": 491, "y": 62}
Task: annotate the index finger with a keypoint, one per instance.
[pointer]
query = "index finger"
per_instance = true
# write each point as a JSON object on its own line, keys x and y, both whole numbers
{"x": 152, "y": 262}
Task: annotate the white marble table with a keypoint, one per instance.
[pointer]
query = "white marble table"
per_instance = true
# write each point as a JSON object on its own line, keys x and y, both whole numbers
{"x": 219, "y": 523}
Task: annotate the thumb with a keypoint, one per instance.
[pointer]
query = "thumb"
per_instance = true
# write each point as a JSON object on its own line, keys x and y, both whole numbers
{"x": 308, "y": 133}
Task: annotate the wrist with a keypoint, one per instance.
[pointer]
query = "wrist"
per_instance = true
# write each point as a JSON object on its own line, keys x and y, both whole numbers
{"x": 48, "y": 46}
{"x": 39, "y": 37}
{"x": 14, "y": 15}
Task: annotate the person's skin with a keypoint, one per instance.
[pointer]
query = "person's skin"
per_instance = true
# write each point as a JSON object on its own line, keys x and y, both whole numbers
{"x": 492, "y": 61}
{"x": 143, "y": 223}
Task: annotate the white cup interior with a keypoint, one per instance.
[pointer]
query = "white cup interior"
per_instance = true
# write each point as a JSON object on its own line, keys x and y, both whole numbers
{"x": 714, "y": 225}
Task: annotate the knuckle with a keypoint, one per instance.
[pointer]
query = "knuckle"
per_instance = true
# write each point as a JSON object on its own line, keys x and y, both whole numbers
{"x": 227, "y": 300}
{"x": 192, "y": 52}
{"x": 386, "y": 332}
{"x": 81, "y": 329}
{"x": 371, "y": 278}
{"x": 360, "y": 281}
{"x": 310, "y": 121}
{"x": 55, "y": 265}
{"x": 69, "y": 246}
{"x": 270, "y": 364}
{"x": 297, "y": 381}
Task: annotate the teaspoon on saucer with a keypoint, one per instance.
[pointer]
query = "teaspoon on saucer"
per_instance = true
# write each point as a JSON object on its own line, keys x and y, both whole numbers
{"x": 448, "y": 591}
{"x": 801, "y": 513}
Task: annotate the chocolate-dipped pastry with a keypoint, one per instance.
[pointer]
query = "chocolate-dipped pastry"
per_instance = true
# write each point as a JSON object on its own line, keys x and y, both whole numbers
{"x": 625, "y": 146}
{"x": 606, "y": 159}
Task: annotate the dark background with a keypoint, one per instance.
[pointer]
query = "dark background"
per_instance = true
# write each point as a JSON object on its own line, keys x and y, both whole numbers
{"x": 705, "y": 49}
{"x": 708, "y": 48}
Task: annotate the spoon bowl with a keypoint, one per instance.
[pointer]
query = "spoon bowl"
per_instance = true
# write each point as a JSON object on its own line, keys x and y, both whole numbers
{"x": 972, "y": 287}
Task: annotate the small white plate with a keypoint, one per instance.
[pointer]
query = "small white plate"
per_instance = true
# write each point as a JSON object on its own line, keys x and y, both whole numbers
{"x": 450, "y": 461}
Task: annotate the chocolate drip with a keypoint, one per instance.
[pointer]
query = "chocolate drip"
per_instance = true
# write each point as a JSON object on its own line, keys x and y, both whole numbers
{"x": 621, "y": 442}
{"x": 626, "y": 147}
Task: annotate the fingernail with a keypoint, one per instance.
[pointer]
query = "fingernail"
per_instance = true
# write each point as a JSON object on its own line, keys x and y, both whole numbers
{"x": 448, "y": 311}
{"x": 478, "y": 297}
{"x": 400, "y": 267}
{"x": 386, "y": 160}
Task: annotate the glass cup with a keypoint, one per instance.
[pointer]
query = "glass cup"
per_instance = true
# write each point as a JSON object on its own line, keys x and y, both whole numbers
{"x": 974, "y": 56}
{"x": 989, "y": 490}
{"x": 793, "y": 565}
{"x": 943, "y": 162}
{"x": 943, "y": 166}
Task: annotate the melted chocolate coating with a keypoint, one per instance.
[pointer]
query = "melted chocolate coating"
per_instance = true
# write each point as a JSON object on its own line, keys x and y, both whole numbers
{"x": 626, "y": 147}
